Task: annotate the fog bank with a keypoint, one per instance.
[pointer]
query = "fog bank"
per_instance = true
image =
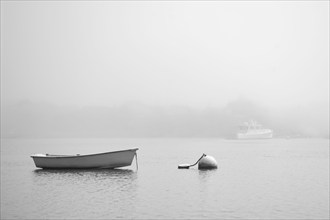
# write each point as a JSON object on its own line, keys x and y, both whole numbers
{"x": 32, "y": 119}
{"x": 163, "y": 68}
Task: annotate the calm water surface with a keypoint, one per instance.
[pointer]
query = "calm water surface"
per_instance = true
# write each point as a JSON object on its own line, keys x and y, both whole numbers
{"x": 265, "y": 179}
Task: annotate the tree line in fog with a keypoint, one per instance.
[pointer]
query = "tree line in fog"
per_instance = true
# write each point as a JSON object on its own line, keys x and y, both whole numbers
{"x": 32, "y": 119}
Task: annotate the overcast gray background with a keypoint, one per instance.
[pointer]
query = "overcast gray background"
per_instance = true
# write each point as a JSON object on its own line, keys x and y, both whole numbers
{"x": 163, "y": 68}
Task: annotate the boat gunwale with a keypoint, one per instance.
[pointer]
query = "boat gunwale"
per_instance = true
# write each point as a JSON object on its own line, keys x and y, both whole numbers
{"x": 78, "y": 155}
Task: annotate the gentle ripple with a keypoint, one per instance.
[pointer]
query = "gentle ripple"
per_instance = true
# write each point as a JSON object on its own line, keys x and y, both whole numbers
{"x": 274, "y": 179}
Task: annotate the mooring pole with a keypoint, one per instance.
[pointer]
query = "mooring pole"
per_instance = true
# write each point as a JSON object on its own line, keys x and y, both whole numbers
{"x": 137, "y": 166}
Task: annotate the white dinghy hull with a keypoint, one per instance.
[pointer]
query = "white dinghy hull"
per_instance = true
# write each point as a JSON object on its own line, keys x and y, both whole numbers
{"x": 110, "y": 160}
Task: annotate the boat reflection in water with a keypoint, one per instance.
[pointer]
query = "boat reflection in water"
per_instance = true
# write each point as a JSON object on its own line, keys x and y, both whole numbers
{"x": 76, "y": 175}
{"x": 253, "y": 130}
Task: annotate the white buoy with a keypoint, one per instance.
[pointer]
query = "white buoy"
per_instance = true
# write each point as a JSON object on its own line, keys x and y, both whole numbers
{"x": 184, "y": 166}
{"x": 207, "y": 162}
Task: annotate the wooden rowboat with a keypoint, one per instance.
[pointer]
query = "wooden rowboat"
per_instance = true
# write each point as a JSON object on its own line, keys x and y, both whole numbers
{"x": 110, "y": 160}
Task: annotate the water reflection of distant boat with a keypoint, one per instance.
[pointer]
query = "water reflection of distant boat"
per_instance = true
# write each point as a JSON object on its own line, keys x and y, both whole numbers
{"x": 253, "y": 130}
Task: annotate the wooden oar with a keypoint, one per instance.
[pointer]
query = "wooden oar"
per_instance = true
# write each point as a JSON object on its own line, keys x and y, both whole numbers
{"x": 186, "y": 166}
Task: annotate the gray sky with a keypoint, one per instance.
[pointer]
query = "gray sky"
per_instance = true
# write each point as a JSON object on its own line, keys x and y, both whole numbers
{"x": 194, "y": 53}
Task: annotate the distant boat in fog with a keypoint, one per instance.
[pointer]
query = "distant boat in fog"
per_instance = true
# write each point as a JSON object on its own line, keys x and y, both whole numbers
{"x": 110, "y": 160}
{"x": 253, "y": 130}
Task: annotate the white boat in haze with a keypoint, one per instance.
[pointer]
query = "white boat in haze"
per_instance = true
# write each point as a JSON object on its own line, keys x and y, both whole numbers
{"x": 110, "y": 160}
{"x": 253, "y": 130}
